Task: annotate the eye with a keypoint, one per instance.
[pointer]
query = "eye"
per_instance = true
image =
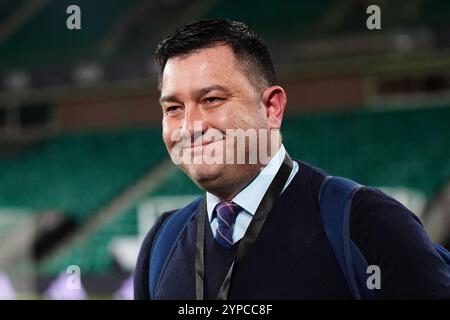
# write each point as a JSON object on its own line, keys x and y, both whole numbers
{"x": 211, "y": 100}
{"x": 170, "y": 110}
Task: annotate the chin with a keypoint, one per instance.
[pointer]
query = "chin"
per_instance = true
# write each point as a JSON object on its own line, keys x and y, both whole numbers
{"x": 205, "y": 175}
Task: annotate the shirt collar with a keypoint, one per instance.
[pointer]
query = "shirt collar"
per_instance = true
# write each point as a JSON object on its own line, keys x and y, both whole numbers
{"x": 250, "y": 197}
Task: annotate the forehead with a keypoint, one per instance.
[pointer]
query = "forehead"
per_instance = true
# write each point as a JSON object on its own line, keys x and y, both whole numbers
{"x": 201, "y": 68}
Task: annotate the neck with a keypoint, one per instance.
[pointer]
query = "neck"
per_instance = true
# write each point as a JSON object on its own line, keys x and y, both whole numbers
{"x": 232, "y": 188}
{"x": 227, "y": 193}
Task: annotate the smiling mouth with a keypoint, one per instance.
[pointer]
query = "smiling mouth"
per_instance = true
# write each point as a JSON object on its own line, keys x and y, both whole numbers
{"x": 199, "y": 145}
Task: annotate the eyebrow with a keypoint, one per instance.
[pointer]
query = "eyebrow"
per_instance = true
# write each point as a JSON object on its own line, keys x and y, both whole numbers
{"x": 196, "y": 95}
{"x": 201, "y": 92}
{"x": 169, "y": 98}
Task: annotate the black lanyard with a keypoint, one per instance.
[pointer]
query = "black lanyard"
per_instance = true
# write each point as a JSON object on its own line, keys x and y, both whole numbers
{"x": 250, "y": 236}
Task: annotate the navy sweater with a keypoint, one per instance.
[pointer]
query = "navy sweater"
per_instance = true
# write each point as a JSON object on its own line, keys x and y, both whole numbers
{"x": 292, "y": 257}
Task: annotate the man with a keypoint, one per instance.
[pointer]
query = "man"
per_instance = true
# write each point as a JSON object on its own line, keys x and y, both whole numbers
{"x": 258, "y": 233}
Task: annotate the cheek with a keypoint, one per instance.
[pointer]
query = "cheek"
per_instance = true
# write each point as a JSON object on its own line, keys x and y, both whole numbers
{"x": 168, "y": 131}
{"x": 231, "y": 116}
{"x": 248, "y": 117}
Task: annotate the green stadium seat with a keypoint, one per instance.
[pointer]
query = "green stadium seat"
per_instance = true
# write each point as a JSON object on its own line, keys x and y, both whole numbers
{"x": 77, "y": 174}
{"x": 44, "y": 38}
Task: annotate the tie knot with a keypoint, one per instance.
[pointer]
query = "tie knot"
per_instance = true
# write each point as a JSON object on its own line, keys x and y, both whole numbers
{"x": 226, "y": 213}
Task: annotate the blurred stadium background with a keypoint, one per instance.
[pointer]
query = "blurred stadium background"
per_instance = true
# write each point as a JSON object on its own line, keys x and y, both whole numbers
{"x": 84, "y": 173}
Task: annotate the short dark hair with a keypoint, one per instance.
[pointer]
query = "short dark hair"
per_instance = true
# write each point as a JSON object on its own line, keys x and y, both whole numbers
{"x": 245, "y": 43}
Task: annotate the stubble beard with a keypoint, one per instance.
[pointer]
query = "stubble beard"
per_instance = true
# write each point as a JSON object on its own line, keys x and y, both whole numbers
{"x": 222, "y": 180}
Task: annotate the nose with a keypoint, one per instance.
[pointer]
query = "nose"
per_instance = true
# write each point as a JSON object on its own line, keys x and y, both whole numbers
{"x": 194, "y": 125}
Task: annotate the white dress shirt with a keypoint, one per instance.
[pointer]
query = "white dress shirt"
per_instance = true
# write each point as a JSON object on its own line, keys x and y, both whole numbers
{"x": 250, "y": 197}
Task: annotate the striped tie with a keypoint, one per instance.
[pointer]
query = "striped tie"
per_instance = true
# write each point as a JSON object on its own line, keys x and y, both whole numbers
{"x": 226, "y": 216}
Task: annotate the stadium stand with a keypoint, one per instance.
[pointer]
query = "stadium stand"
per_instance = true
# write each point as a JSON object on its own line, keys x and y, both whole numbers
{"x": 293, "y": 20}
{"x": 9, "y": 7}
{"x": 401, "y": 148}
{"x": 44, "y": 39}
{"x": 77, "y": 173}
{"x": 296, "y": 16}
{"x": 25, "y": 48}
{"x": 93, "y": 255}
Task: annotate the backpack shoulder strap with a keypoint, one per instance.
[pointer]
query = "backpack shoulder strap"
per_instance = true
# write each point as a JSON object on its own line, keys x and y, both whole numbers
{"x": 335, "y": 200}
{"x": 444, "y": 253}
{"x": 165, "y": 241}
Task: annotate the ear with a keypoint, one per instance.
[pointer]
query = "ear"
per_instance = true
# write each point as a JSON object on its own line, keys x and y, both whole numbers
{"x": 274, "y": 99}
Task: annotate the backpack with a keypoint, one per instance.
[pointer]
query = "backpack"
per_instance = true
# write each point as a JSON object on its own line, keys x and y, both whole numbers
{"x": 335, "y": 200}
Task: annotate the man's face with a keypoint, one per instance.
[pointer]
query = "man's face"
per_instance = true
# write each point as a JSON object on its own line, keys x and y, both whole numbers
{"x": 202, "y": 95}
